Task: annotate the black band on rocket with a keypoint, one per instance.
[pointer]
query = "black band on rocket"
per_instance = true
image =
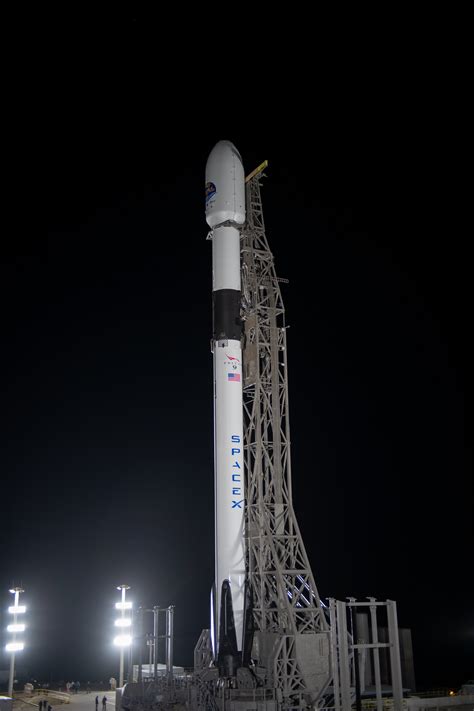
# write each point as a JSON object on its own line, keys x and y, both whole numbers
{"x": 226, "y": 315}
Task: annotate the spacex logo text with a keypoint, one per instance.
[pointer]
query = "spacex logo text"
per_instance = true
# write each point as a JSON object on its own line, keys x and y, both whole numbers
{"x": 236, "y": 473}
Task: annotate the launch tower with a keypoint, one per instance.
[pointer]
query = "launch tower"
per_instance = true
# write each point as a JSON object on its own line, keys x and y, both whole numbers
{"x": 291, "y": 634}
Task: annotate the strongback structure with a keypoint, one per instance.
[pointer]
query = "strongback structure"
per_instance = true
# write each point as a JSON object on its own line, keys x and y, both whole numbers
{"x": 291, "y": 633}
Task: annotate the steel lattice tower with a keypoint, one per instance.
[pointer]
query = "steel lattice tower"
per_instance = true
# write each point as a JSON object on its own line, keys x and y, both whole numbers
{"x": 291, "y": 637}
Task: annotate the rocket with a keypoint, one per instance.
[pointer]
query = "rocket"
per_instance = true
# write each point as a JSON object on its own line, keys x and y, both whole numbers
{"x": 225, "y": 214}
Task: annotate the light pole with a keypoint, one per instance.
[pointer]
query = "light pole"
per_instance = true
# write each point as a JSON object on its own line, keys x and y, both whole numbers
{"x": 14, "y": 645}
{"x": 123, "y": 640}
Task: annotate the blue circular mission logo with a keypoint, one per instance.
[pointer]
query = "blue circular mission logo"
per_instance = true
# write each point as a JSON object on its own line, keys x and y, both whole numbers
{"x": 210, "y": 191}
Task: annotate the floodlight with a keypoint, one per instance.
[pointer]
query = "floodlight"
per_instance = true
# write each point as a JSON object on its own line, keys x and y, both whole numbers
{"x": 16, "y": 628}
{"x": 17, "y": 609}
{"x": 14, "y": 645}
{"x": 123, "y": 640}
{"x": 123, "y": 622}
{"x": 123, "y": 605}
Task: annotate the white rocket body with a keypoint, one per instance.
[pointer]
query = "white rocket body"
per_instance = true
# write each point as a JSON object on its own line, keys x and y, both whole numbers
{"x": 225, "y": 203}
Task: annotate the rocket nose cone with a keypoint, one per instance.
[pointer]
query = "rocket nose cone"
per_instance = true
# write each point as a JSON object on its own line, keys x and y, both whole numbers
{"x": 225, "y": 185}
{"x": 222, "y": 152}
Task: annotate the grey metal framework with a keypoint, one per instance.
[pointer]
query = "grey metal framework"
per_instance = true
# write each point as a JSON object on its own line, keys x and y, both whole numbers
{"x": 152, "y": 640}
{"x": 349, "y": 649}
{"x": 291, "y": 630}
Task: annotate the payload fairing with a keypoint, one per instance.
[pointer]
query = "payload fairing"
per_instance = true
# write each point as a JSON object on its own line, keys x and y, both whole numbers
{"x": 225, "y": 214}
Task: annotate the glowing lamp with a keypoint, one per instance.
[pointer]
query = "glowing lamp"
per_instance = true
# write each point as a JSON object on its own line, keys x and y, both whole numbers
{"x": 123, "y": 640}
{"x": 16, "y": 628}
{"x": 17, "y": 609}
{"x": 123, "y": 622}
{"x": 123, "y": 605}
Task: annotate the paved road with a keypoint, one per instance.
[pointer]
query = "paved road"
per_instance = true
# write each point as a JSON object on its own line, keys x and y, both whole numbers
{"x": 86, "y": 701}
{"x": 79, "y": 702}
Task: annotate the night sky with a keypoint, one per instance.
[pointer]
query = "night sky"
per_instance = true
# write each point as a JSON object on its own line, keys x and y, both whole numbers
{"x": 107, "y": 456}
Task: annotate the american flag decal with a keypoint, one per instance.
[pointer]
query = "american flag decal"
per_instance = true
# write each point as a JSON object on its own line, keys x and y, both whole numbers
{"x": 235, "y": 377}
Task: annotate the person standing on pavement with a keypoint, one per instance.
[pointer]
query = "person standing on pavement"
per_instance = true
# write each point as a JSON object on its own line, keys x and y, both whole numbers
{"x": 104, "y": 703}
{"x": 96, "y": 703}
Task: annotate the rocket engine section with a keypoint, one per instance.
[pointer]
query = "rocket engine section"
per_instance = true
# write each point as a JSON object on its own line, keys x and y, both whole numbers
{"x": 225, "y": 212}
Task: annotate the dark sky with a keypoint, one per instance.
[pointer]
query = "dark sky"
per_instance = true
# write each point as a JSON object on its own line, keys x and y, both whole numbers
{"x": 107, "y": 453}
